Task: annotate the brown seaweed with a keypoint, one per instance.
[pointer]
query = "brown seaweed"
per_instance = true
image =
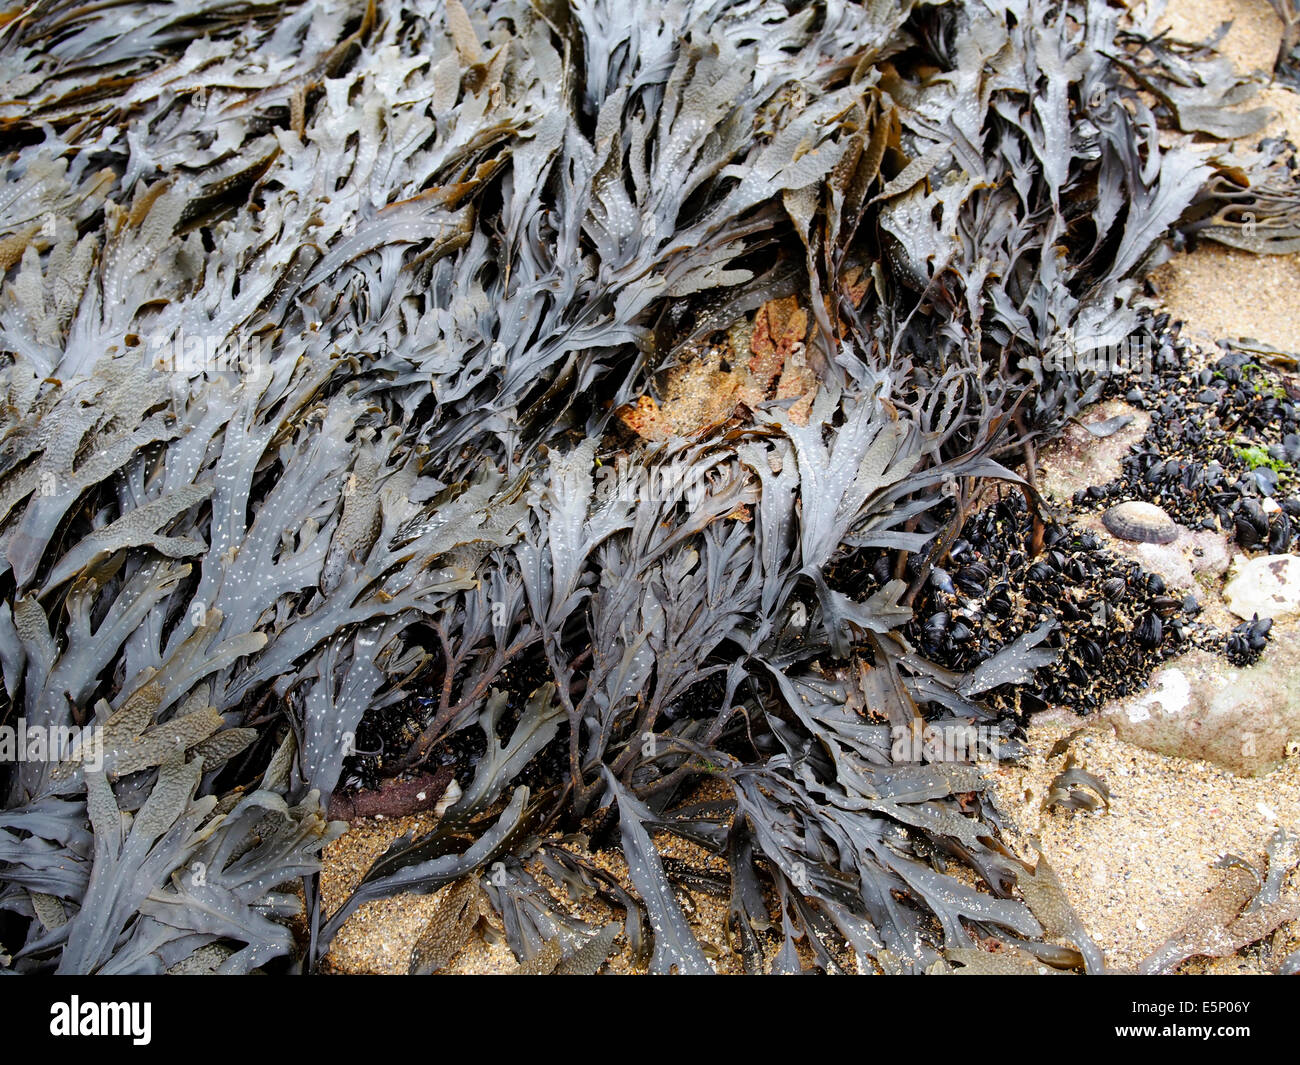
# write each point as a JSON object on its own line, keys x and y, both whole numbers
{"x": 316, "y": 325}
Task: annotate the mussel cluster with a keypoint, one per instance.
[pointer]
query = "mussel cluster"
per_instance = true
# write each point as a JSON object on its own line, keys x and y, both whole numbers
{"x": 1221, "y": 452}
{"x": 1247, "y": 641}
{"x": 387, "y": 731}
{"x": 1113, "y": 621}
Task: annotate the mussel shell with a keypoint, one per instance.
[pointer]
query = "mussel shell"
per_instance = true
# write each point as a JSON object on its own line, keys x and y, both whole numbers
{"x": 941, "y": 581}
{"x": 1279, "y": 533}
{"x": 1244, "y": 531}
{"x": 1149, "y": 630}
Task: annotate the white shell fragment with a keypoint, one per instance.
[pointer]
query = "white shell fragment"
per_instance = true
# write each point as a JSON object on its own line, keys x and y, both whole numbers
{"x": 450, "y": 798}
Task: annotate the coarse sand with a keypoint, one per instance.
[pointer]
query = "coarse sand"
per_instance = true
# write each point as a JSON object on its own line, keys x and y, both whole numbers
{"x": 1135, "y": 870}
{"x": 1251, "y": 41}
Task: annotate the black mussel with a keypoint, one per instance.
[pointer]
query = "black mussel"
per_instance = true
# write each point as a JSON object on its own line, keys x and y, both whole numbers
{"x": 1250, "y": 524}
{"x": 1165, "y": 605}
{"x": 1279, "y": 533}
{"x": 1248, "y": 640}
{"x": 941, "y": 581}
{"x": 1244, "y": 531}
{"x": 1032, "y": 702}
{"x": 973, "y": 578}
{"x": 937, "y": 626}
{"x": 1149, "y": 630}
{"x": 998, "y": 603}
{"x": 1265, "y": 480}
{"x": 1040, "y": 572}
{"x": 1070, "y": 612}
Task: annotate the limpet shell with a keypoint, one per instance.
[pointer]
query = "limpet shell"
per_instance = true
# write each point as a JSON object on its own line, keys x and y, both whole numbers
{"x": 1143, "y": 523}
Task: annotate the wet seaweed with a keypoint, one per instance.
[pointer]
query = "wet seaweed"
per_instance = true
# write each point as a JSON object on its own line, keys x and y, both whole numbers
{"x": 321, "y": 322}
{"x": 1245, "y": 906}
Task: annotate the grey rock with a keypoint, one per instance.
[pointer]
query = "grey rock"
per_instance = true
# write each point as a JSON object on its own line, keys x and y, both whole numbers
{"x": 1203, "y": 708}
{"x": 1079, "y": 459}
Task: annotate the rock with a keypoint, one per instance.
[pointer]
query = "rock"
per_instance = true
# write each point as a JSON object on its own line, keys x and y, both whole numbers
{"x": 1202, "y": 708}
{"x": 1079, "y": 459}
{"x": 1268, "y": 586}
